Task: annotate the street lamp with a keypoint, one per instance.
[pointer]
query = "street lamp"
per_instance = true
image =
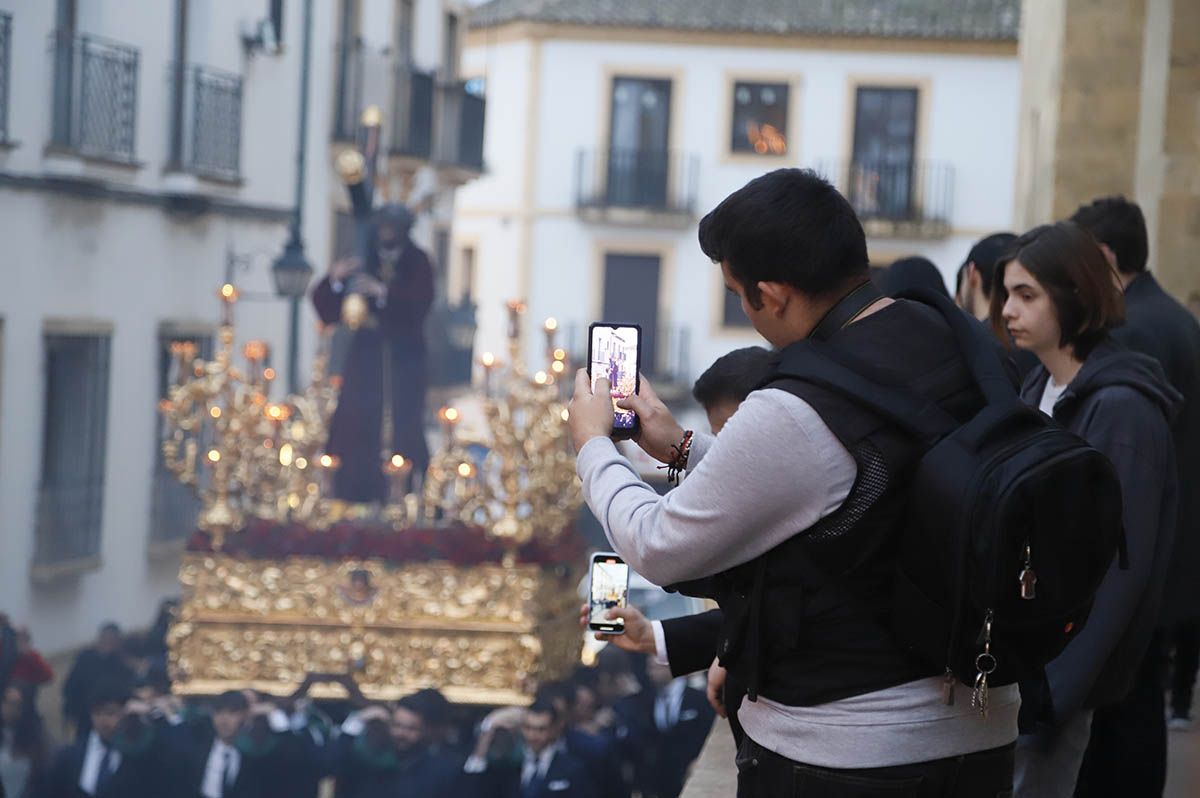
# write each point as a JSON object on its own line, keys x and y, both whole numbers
{"x": 292, "y": 271}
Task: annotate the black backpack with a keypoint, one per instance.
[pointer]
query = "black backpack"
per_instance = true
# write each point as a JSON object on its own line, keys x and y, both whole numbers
{"x": 1010, "y": 521}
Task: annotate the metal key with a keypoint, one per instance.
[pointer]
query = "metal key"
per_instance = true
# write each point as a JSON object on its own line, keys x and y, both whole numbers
{"x": 1028, "y": 577}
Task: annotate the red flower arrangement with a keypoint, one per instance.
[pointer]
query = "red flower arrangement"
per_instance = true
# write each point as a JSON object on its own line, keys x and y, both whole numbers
{"x": 459, "y": 545}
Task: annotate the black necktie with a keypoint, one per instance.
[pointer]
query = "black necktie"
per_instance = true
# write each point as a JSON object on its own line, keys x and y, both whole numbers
{"x": 106, "y": 770}
{"x": 227, "y": 771}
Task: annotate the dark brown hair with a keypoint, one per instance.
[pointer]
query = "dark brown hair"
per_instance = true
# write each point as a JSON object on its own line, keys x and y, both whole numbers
{"x": 1082, "y": 286}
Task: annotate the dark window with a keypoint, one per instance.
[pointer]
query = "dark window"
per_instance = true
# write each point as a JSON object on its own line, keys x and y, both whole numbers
{"x": 175, "y": 505}
{"x": 731, "y": 312}
{"x": 275, "y": 14}
{"x": 349, "y": 73}
{"x": 760, "y": 116}
{"x": 885, "y": 132}
{"x": 74, "y": 436}
{"x": 638, "y": 160}
{"x": 631, "y": 296}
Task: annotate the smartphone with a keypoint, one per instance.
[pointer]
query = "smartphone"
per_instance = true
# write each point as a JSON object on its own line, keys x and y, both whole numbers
{"x": 609, "y": 588}
{"x": 615, "y": 352}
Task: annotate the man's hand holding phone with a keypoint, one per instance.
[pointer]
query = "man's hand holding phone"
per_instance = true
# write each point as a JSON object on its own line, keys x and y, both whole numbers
{"x": 658, "y": 431}
{"x": 639, "y": 632}
{"x": 589, "y": 415}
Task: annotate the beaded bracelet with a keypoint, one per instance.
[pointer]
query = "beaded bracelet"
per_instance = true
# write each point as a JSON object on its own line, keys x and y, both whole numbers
{"x": 679, "y": 461}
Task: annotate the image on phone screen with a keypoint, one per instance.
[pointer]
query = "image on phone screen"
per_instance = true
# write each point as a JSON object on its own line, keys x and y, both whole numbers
{"x": 614, "y": 355}
{"x": 609, "y": 589}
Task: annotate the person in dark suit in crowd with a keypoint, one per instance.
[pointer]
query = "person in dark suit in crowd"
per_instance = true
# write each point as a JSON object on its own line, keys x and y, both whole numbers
{"x": 597, "y": 752}
{"x": 386, "y": 754}
{"x": 978, "y": 277}
{"x": 125, "y": 754}
{"x": 1127, "y": 752}
{"x": 909, "y": 273}
{"x": 24, "y": 744}
{"x": 103, "y": 662}
{"x": 244, "y": 751}
{"x": 666, "y": 725}
{"x": 546, "y": 769}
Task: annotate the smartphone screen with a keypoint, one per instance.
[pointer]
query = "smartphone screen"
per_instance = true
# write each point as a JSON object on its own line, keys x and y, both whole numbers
{"x": 614, "y": 352}
{"x": 609, "y": 589}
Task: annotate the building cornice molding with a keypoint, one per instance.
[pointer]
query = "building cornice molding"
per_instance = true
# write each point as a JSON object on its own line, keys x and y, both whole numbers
{"x": 524, "y": 31}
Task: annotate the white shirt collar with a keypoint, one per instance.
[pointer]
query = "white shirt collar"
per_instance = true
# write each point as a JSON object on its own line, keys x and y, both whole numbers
{"x": 214, "y": 784}
{"x": 93, "y": 760}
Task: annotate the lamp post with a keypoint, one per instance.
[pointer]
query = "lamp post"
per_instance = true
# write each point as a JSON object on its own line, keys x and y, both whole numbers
{"x": 291, "y": 269}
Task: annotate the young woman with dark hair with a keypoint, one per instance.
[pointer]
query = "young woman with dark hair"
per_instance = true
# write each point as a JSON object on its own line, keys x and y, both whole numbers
{"x": 1057, "y": 296}
{"x": 24, "y": 748}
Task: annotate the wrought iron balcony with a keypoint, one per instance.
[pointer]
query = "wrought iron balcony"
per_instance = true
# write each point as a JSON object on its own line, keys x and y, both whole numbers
{"x": 5, "y": 72}
{"x": 637, "y": 186}
{"x": 95, "y": 97}
{"x": 906, "y": 199}
{"x": 206, "y": 125}
{"x": 412, "y": 113}
{"x": 460, "y": 128}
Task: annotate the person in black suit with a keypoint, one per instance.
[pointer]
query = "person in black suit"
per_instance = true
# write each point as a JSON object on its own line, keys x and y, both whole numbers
{"x": 126, "y": 753}
{"x": 103, "y": 662}
{"x": 597, "y": 752}
{"x": 665, "y": 726}
{"x": 243, "y": 751}
{"x": 546, "y": 769}
{"x": 391, "y": 756}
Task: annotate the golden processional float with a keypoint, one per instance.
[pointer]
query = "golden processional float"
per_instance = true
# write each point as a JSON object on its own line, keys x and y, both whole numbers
{"x": 468, "y": 586}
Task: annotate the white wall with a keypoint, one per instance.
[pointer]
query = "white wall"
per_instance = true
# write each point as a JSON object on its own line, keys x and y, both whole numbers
{"x": 134, "y": 266}
{"x": 968, "y": 119}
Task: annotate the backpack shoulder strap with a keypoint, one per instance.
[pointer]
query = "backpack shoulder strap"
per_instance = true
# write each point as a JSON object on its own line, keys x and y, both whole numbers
{"x": 817, "y": 364}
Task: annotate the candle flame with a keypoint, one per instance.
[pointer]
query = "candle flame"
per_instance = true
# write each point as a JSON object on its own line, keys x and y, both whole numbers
{"x": 285, "y": 455}
{"x": 560, "y": 354}
{"x": 551, "y": 324}
{"x": 214, "y": 456}
{"x": 450, "y": 414}
{"x": 326, "y": 461}
{"x": 229, "y": 293}
{"x": 301, "y": 463}
{"x": 557, "y": 367}
{"x": 465, "y": 470}
{"x": 215, "y": 412}
{"x": 540, "y": 378}
{"x": 398, "y": 460}
{"x": 268, "y": 374}
{"x": 487, "y": 359}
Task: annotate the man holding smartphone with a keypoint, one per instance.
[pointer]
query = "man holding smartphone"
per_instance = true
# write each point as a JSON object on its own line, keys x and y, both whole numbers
{"x": 833, "y": 703}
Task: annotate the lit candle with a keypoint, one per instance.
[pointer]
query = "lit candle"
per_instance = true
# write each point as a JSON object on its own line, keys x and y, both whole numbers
{"x": 488, "y": 361}
{"x": 515, "y": 308}
{"x": 449, "y": 417}
{"x": 551, "y": 327}
{"x": 228, "y": 295}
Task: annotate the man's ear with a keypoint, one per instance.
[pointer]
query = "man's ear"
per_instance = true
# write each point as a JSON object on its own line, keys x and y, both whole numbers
{"x": 973, "y": 276}
{"x": 1110, "y": 256}
{"x": 775, "y": 297}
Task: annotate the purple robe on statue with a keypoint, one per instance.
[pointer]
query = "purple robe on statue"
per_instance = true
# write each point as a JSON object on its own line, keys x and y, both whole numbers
{"x": 387, "y": 354}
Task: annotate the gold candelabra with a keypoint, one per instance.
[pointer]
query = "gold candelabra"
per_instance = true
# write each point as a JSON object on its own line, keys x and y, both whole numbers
{"x": 251, "y": 458}
{"x": 517, "y": 478}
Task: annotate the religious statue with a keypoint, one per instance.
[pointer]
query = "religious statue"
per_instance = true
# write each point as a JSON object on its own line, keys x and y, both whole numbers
{"x": 381, "y": 408}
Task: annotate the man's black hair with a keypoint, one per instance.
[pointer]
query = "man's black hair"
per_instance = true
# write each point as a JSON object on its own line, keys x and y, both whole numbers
{"x": 108, "y": 691}
{"x": 430, "y": 704}
{"x": 1118, "y": 224}
{"x": 787, "y": 226}
{"x": 912, "y": 272}
{"x": 556, "y": 691}
{"x": 231, "y": 701}
{"x": 732, "y": 376}
{"x": 415, "y": 705}
{"x": 109, "y": 626}
{"x": 985, "y": 254}
{"x": 544, "y": 706}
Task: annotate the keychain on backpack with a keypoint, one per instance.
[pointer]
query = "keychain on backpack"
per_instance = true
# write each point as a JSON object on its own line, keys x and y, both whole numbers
{"x": 985, "y": 663}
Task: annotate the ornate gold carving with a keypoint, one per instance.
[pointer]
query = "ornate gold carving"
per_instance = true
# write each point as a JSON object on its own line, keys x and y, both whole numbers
{"x": 485, "y": 633}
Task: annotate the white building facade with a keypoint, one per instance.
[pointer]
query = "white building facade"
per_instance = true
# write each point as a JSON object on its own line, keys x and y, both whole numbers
{"x": 611, "y": 130}
{"x": 130, "y": 190}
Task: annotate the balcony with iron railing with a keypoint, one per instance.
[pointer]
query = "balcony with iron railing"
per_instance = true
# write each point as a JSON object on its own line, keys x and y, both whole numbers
{"x": 95, "y": 97}
{"x": 458, "y": 142}
{"x": 5, "y": 74}
{"x": 642, "y": 187}
{"x": 206, "y": 123}
{"x": 411, "y": 134}
{"x": 904, "y": 199}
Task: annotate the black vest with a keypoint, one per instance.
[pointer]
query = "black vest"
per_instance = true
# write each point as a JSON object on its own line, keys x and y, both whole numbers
{"x": 807, "y": 623}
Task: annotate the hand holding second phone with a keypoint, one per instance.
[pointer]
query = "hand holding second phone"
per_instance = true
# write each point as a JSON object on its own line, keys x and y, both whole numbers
{"x": 639, "y": 632}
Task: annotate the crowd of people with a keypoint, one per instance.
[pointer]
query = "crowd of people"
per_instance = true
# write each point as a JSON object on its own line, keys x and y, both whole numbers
{"x": 625, "y": 727}
{"x": 791, "y": 513}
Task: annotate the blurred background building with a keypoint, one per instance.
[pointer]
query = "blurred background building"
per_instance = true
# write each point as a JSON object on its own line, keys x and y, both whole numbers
{"x": 613, "y": 127}
{"x": 148, "y": 153}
